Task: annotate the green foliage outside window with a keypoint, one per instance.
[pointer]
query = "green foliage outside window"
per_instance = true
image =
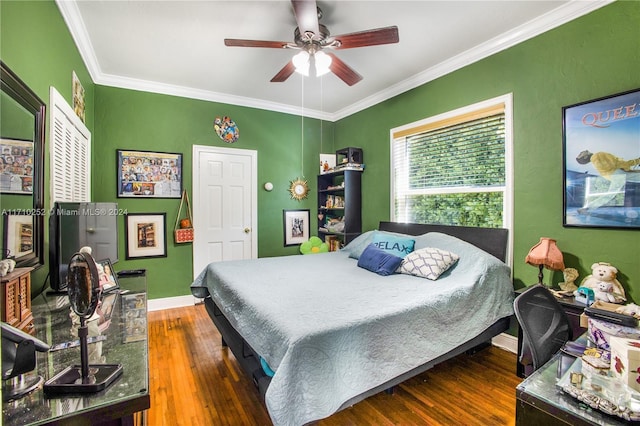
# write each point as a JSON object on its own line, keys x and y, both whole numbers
{"x": 468, "y": 158}
{"x": 480, "y": 209}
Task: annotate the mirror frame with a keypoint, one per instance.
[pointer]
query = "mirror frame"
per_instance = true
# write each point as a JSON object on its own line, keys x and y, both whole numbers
{"x": 13, "y": 86}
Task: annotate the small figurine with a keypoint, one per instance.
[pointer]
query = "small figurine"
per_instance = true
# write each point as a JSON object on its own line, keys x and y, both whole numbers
{"x": 570, "y": 275}
{"x": 4, "y": 268}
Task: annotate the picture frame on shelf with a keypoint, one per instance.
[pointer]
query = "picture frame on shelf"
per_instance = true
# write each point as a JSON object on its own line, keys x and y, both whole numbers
{"x": 147, "y": 174}
{"x": 601, "y": 162}
{"x": 107, "y": 277}
{"x": 296, "y": 226}
{"x": 146, "y": 235}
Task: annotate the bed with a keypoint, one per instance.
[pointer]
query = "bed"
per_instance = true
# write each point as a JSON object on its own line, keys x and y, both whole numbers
{"x": 317, "y": 333}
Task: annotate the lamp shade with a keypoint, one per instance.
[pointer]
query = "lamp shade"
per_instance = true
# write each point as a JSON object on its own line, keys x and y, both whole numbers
{"x": 301, "y": 62}
{"x": 546, "y": 253}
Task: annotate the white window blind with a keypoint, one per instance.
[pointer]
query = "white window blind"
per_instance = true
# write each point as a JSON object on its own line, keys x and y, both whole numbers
{"x": 452, "y": 169}
{"x": 70, "y": 159}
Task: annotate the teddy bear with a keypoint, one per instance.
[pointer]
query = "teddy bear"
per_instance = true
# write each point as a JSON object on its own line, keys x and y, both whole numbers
{"x": 604, "y": 283}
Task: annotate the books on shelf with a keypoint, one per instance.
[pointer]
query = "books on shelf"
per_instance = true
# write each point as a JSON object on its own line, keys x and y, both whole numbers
{"x": 349, "y": 166}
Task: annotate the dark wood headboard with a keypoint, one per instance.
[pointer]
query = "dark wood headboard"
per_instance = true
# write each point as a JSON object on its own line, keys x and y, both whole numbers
{"x": 491, "y": 240}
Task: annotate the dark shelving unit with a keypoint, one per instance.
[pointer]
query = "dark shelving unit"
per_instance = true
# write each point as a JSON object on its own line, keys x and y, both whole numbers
{"x": 344, "y": 185}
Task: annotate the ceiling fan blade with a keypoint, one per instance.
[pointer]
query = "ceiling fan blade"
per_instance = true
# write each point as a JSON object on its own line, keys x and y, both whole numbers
{"x": 343, "y": 71}
{"x": 255, "y": 43}
{"x": 284, "y": 73}
{"x": 386, "y": 35}
{"x": 306, "y": 12}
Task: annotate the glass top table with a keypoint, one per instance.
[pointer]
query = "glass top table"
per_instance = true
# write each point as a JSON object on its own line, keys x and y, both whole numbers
{"x": 120, "y": 331}
{"x": 540, "y": 399}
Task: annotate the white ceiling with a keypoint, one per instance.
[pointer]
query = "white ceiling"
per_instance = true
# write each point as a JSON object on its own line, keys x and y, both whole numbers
{"x": 176, "y": 47}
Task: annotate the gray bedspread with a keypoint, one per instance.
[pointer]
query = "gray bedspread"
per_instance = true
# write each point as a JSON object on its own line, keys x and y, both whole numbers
{"x": 332, "y": 330}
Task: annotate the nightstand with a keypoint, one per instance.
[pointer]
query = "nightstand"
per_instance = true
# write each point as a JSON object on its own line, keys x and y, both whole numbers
{"x": 573, "y": 311}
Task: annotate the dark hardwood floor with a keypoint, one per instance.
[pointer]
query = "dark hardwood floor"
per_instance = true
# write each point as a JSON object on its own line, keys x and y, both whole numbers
{"x": 195, "y": 381}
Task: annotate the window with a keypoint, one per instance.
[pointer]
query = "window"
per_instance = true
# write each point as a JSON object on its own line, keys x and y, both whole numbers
{"x": 70, "y": 153}
{"x": 455, "y": 168}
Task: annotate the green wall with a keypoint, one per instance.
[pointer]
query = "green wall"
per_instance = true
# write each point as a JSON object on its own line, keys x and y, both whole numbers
{"x": 591, "y": 57}
{"x": 36, "y": 44}
{"x": 127, "y": 119}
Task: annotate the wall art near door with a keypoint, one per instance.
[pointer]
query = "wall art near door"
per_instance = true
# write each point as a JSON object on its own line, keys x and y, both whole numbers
{"x": 144, "y": 174}
{"x": 601, "y": 164}
{"x": 16, "y": 166}
{"x": 146, "y": 235}
{"x": 296, "y": 227}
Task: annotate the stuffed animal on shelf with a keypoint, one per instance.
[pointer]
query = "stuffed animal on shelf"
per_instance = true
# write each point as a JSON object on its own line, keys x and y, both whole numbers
{"x": 604, "y": 283}
{"x": 570, "y": 275}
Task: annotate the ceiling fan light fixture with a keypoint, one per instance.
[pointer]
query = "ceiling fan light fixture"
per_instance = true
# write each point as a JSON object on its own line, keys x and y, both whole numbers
{"x": 301, "y": 62}
{"x": 323, "y": 62}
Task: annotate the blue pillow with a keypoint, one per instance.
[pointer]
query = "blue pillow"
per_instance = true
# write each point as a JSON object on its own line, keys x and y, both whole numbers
{"x": 399, "y": 246}
{"x": 379, "y": 261}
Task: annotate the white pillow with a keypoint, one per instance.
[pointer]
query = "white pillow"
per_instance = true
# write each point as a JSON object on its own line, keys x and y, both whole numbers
{"x": 428, "y": 262}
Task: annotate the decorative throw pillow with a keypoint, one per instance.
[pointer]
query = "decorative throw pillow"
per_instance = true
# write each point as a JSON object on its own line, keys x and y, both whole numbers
{"x": 428, "y": 262}
{"x": 357, "y": 246}
{"x": 399, "y": 246}
{"x": 375, "y": 260}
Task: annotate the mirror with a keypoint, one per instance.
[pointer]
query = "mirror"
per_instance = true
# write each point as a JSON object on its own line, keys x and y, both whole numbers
{"x": 22, "y": 121}
{"x": 83, "y": 285}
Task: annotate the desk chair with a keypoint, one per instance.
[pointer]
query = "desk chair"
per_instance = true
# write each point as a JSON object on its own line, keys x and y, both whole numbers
{"x": 544, "y": 324}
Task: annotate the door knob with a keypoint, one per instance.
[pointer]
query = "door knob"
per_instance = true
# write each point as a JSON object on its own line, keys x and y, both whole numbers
{"x": 247, "y": 230}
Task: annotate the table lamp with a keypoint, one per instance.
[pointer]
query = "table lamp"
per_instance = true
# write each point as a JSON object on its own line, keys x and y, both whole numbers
{"x": 545, "y": 254}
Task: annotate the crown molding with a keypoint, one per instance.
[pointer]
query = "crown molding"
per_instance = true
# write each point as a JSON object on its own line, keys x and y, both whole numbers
{"x": 553, "y": 19}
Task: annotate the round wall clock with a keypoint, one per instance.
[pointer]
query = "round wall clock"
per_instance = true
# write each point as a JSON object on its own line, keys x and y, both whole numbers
{"x": 299, "y": 189}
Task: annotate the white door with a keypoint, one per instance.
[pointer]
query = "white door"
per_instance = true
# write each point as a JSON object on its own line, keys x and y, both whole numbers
{"x": 224, "y": 205}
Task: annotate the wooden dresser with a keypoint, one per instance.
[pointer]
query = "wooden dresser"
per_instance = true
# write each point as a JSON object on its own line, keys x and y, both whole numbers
{"x": 16, "y": 299}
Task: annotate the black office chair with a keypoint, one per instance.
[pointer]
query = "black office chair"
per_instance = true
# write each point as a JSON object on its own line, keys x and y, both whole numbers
{"x": 544, "y": 324}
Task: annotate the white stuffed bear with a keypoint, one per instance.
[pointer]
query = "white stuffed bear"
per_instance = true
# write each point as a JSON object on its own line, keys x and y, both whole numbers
{"x": 604, "y": 283}
{"x": 604, "y": 291}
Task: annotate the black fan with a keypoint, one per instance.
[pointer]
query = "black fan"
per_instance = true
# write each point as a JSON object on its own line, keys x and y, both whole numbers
{"x": 311, "y": 38}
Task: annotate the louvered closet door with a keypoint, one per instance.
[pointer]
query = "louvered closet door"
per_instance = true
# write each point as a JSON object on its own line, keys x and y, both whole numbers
{"x": 70, "y": 153}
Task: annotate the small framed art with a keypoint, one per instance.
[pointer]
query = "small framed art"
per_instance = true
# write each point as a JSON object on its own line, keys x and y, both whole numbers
{"x": 145, "y": 174}
{"x": 107, "y": 277}
{"x": 296, "y": 227}
{"x": 146, "y": 235}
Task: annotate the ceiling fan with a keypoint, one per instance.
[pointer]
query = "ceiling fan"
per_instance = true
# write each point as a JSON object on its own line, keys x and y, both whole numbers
{"x": 311, "y": 38}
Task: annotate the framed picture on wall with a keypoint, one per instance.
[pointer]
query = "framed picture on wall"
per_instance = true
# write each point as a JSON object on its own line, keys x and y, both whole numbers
{"x": 145, "y": 174}
{"x": 296, "y": 227}
{"x": 145, "y": 235}
{"x": 601, "y": 163}
{"x": 16, "y": 166}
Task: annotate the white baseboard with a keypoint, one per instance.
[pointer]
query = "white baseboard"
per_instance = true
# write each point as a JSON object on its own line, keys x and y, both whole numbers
{"x": 170, "y": 303}
{"x": 506, "y": 341}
